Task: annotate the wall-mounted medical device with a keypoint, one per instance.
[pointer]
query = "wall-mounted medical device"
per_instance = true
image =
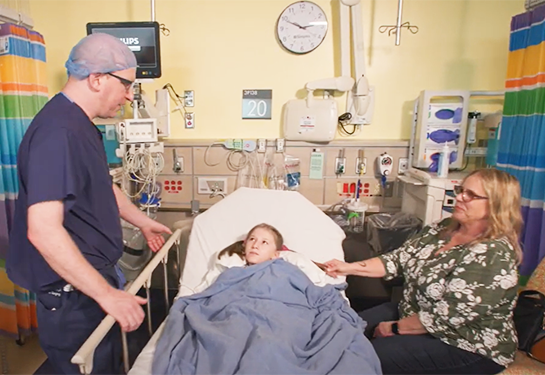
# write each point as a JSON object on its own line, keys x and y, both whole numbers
{"x": 385, "y": 163}
{"x": 312, "y": 119}
{"x": 440, "y": 118}
{"x": 141, "y": 130}
{"x": 360, "y": 98}
{"x": 142, "y": 38}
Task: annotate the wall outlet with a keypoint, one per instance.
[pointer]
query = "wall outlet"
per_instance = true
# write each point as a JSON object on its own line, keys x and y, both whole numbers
{"x": 189, "y": 98}
{"x": 207, "y": 185}
{"x": 261, "y": 145}
{"x": 403, "y": 165}
{"x": 280, "y": 145}
{"x": 189, "y": 120}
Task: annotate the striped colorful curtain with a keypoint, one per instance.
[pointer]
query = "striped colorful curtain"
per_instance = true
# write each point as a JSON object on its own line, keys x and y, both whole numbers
{"x": 521, "y": 149}
{"x": 23, "y": 92}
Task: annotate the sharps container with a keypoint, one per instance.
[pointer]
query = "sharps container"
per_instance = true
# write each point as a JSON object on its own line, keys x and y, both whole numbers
{"x": 356, "y": 216}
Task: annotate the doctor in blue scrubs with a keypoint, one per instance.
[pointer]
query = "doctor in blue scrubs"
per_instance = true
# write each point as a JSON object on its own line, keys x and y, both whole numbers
{"x": 66, "y": 238}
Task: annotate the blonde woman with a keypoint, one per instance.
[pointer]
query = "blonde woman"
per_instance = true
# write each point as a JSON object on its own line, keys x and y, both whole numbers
{"x": 460, "y": 286}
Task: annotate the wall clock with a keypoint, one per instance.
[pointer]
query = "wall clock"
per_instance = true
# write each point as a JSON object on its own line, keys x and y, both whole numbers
{"x": 301, "y": 27}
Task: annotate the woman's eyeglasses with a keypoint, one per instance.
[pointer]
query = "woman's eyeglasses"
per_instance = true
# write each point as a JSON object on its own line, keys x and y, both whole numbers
{"x": 467, "y": 195}
{"x": 128, "y": 84}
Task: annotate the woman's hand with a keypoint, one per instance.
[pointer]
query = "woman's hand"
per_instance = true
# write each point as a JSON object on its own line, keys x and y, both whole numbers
{"x": 384, "y": 329}
{"x": 337, "y": 267}
{"x": 369, "y": 268}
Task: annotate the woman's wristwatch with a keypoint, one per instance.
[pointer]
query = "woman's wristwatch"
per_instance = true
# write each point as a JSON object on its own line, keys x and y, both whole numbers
{"x": 395, "y": 328}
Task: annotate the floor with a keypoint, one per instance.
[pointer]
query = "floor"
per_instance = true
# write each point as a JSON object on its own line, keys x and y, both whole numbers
{"x": 16, "y": 360}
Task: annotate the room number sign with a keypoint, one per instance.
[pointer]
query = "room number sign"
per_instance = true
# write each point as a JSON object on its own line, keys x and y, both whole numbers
{"x": 256, "y": 104}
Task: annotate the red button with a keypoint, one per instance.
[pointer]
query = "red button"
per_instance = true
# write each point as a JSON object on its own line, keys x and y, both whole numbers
{"x": 179, "y": 188}
{"x": 167, "y": 182}
{"x": 366, "y": 184}
{"x": 167, "y": 187}
{"x": 366, "y": 191}
{"x": 179, "y": 182}
{"x": 173, "y": 182}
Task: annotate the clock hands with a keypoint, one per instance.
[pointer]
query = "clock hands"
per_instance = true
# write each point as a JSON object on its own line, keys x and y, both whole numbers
{"x": 302, "y": 27}
{"x": 296, "y": 24}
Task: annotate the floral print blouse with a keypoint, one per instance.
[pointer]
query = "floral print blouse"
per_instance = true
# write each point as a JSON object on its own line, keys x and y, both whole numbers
{"x": 464, "y": 296}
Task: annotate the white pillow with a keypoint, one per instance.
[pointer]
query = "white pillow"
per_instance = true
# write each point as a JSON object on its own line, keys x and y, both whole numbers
{"x": 305, "y": 228}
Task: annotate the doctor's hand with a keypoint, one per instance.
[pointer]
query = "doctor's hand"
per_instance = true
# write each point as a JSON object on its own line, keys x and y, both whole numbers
{"x": 124, "y": 308}
{"x": 153, "y": 232}
{"x": 337, "y": 267}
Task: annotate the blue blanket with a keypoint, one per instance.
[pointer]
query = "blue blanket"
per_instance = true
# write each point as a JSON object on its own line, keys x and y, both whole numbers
{"x": 264, "y": 319}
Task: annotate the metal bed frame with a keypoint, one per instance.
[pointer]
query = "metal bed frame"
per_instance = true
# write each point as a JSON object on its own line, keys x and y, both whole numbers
{"x": 84, "y": 356}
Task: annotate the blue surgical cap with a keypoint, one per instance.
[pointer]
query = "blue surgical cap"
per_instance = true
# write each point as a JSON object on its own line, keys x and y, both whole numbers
{"x": 99, "y": 53}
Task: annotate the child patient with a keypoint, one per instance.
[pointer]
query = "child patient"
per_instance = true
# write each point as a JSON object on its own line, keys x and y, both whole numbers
{"x": 263, "y": 242}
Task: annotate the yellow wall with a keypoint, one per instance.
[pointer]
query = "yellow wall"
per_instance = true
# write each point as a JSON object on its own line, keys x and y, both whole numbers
{"x": 220, "y": 47}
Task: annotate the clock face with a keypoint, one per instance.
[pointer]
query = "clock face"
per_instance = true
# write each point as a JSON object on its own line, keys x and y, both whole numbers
{"x": 301, "y": 27}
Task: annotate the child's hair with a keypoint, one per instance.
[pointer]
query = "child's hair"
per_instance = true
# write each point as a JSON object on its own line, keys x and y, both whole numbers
{"x": 238, "y": 247}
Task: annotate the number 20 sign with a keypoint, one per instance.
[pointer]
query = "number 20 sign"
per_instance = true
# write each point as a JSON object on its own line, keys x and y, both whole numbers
{"x": 256, "y": 104}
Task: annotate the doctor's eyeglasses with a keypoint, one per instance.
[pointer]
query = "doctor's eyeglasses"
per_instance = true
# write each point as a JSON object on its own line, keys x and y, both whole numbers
{"x": 128, "y": 84}
{"x": 467, "y": 195}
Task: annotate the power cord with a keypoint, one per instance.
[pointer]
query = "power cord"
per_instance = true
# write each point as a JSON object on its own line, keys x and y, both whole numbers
{"x": 343, "y": 122}
{"x": 179, "y": 100}
{"x": 231, "y": 164}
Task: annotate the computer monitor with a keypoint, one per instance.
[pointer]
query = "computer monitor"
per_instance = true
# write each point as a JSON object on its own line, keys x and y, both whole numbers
{"x": 142, "y": 38}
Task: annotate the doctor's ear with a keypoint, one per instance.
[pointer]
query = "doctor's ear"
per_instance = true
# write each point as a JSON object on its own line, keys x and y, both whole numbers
{"x": 95, "y": 81}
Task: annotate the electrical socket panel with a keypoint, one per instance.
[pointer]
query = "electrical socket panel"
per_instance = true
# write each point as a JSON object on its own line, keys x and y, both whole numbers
{"x": 261, "y": 145}
{"x": 189, "y": 98}
{"x": 280, "y": 145}
{"x": 207, "y": 185}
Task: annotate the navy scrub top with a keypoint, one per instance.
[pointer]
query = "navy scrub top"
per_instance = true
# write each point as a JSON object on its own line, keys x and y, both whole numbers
{"x": 62, "y": 158}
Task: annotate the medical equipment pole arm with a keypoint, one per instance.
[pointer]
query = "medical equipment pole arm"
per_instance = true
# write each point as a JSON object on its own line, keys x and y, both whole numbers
{"x": 398, "y": 21}
{"x": 84, "y": 356}
{"x": 337, "y": 83}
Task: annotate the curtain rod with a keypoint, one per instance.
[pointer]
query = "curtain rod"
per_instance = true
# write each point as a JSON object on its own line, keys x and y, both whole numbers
{"x": 532, "y": 4}
{"x": 12, "y": 16}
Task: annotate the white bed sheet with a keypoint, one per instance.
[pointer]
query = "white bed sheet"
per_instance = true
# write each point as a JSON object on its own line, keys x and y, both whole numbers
{"x": 305, "y": 228}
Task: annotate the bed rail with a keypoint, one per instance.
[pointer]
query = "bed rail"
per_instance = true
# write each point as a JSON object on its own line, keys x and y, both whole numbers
{"x": 84, "y": 356}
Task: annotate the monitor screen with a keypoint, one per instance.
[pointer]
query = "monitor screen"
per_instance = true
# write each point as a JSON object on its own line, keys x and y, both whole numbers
{"x": 142, "y": 38}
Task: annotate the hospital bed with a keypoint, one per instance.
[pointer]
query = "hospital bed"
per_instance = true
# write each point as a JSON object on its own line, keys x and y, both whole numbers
{"x": 305, "y": 228}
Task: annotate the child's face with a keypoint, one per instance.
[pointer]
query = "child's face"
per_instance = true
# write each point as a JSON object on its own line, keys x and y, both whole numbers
{"x": 260, "y": 246}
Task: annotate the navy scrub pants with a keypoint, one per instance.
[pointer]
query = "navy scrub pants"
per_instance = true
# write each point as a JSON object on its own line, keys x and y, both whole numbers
{"x": 65, "y": 321}
{"x": 420, "y": 354}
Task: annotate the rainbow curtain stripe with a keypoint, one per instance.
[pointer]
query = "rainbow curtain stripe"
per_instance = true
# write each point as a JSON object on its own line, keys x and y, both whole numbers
{"x": 522, "y": 138}
{"x": 23, "y": 92}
